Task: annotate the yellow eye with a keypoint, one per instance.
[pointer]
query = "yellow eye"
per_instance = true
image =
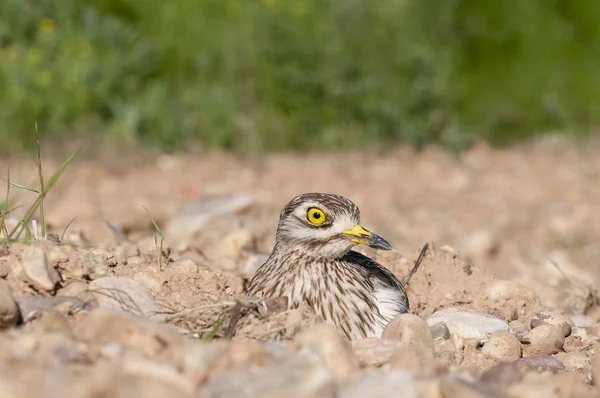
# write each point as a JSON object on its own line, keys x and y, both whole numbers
{"x": 316, "y": 216}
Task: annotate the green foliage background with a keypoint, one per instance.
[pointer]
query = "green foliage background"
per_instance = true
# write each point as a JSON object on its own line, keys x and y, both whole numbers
{"x": 253, "y": 75}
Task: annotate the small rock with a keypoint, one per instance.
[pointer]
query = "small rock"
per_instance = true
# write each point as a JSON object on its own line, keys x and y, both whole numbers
{"x": 182, "y": 228}
{"x": 502, "y": 346}
{"x": 440, "y": 330}
{"x": 407, "y": 358}
{"x": 550, "y": 318}
{"x": 200, "y": 357}
{"x": 9, "y": 312}
{"x": 410, "y": 329}
{"x": 151, "y": 279}
{"x": 276, "y": 305}
{"x": 543, "y": 340}
{"x": 73, "y": 289}
{"x": 375, "y": 352}
{"x": 517, "y": 329}
{"x": 32, "y": 307}
{"x": 148, "y": 245}
{"x": 453, "y": 387}
{"x": 36, "y": 268}
{"x": 295, "y": 377}
{"x": 580, "y": 339}
{"x": 511, "y": 300}
{"x": 96, "y": 262}
{"x": 231, "y": 245}
{"x": 102, "y": 326}
{"x": 185, "y": 265}
{"x": 466, "y": 323}
{"x": 575, "y": 362}
{"x": 335, "y": 349}
{"x": 446, "y": 351}
{"x": 542, "y": 363}
{"x": 502, "y": 374}
{"x": 393, "y": 383}
{"x": 57, "y": 255}
{"x": 144, "y": 369}
{"x": 126, "y": 295}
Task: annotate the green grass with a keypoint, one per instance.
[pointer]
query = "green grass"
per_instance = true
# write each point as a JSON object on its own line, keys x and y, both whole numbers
{"x": 257, "y": 75}
{"x": 37, "y": 207}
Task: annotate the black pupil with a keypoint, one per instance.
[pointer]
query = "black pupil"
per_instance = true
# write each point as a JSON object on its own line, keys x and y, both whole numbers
{"x": 317, "y": 215}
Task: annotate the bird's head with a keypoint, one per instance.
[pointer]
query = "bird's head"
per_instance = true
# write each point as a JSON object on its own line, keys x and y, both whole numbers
{"x": 324, "y": 225}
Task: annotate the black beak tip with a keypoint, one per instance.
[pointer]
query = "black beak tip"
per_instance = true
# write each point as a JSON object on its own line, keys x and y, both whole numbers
{"x": 377, "y": 242}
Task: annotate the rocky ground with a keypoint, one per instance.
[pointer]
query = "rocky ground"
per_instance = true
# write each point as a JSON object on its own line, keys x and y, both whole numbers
{"x": 505, "y": 303}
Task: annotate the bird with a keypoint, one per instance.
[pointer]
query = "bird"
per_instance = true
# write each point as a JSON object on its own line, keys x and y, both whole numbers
{"x": 312, "y": 262}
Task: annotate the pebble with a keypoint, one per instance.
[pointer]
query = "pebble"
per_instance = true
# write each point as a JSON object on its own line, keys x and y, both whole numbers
{"x": 502, "y": 374}
{"x": 467, "y": 323}
{"x": 375, "y": 351}
{"x": 543, "y": 340}
{"x": 392, "y": 383}
{"x": 106, "y": 326}
{"x": 511, "y": 300}
{"x": 37, "y": 270}
{"x": 32, "y": 307}
{"x": 550, "y": 318}
{"x": 453, "y": 387}
{"x": 335, "y": 349}
{"x": 581, "y": 339}
{"x": 185, "y": 265}
{"x": 144, "y": 369}
{"x": 407, "y": 358}
{"x": 410, "y": 329}
{"x": 296, "y": 377}
{"x": 182, "y": 227}
{"x": 440, "y": 330}
{"x": 232, "y": 244}
{"x": 9, "y": 312}
{"x": 517, "y": 329}
{"x": 575, "y": 362}
{"x": 57, "y": 255}
{"x": 148, "y": 245}
{"x": 151, "y": 279}
{"x": 542, "y": 363}
{"x": 502, "y": 346}
{"x": 73, "y": 289}
{"x": 446, "y": 351}
{"x": 126, "y": 295}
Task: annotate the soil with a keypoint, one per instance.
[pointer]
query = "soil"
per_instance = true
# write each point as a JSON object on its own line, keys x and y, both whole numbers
{"x": 512, "y": 232}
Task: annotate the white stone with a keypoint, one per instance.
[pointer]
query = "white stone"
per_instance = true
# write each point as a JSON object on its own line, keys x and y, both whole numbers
{"x": 467, "y": 323}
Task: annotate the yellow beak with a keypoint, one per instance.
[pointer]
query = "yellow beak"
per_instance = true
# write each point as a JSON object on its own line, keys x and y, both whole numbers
{"x": 361, "y": 236}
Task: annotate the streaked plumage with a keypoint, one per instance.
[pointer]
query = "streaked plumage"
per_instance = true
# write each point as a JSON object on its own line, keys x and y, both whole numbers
{"x": 312, "y": 261}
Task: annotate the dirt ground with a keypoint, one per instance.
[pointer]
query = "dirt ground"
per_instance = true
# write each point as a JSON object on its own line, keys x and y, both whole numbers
{"x": 513, "y": 233}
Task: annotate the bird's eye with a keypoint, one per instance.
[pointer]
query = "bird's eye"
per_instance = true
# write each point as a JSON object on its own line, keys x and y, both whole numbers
{"x": 316, "y": 216}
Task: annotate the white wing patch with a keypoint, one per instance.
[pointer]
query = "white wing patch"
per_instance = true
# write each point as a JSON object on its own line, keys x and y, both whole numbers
{"x": 388, "y": 300}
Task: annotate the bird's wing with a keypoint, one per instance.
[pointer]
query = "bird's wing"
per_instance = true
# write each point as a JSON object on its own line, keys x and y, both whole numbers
{"x": 385, "y": 283}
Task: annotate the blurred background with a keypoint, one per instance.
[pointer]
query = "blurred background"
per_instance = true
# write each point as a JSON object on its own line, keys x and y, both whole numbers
{"x": 261, "y": 75}
{"x": 459, "y": 122}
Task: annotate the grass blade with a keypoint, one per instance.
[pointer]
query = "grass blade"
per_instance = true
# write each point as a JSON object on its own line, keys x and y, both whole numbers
{"x": 14, "y": 184}
{"x": 162, "y": 238}
{"x": 5, "y": 204}
{"x": 41, "y": 182}
{"x": 215, "y": 329}
{"x": 51, "y": 182}
{"x": 62, "y": 236}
